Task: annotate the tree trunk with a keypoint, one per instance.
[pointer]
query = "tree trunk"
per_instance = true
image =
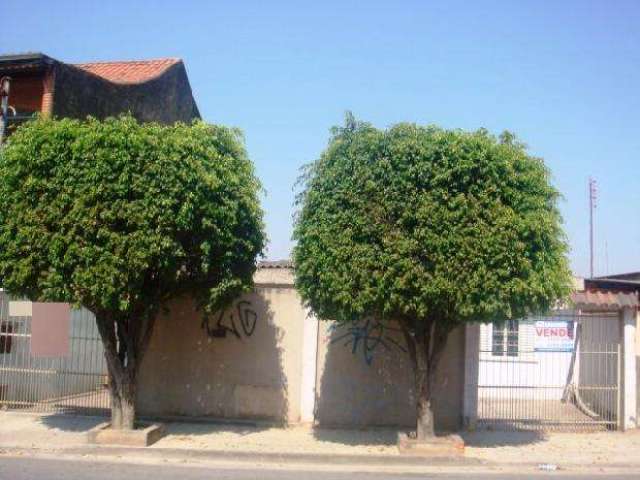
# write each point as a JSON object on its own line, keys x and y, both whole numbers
{"x": 425, "y": 345}
{"x": 125, "y": 343}
{"x": 123, "y": 403}
{"x": 127, "y": 408}
{"x": 425, "y": 427}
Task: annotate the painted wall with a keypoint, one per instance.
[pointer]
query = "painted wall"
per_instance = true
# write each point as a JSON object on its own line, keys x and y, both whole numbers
{"x": 365, "y": 378}
{"x": 266, "y": 358}
{"x": 245, "y": 362}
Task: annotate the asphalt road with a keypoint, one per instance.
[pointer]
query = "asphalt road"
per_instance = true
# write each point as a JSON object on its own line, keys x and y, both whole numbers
{"x": 51, "y": 469}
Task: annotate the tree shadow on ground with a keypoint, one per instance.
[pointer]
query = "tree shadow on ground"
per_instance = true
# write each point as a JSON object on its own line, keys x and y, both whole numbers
{"x": 185, "y": 427}
{"x": 365, "y": 385}
{"x": 380, "y": 436}
{"x": 70, "y": 423}
{"x": 219, "y": 368}
{"x": 492, "y": 439}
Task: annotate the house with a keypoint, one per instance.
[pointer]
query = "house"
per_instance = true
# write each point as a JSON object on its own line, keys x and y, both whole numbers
{"x": 629, "y": 283}
{"x": 151, "y": 90}
{"x": 574, "y": 366}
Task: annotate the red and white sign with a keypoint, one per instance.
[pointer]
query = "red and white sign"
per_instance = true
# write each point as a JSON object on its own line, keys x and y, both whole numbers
{"x": 554, "y": 336}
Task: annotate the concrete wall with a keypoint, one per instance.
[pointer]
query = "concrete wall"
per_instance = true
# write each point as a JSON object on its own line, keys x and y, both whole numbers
{"x": 365, "y": 378}
{"x": 267, "y": 358}
{"x": 243, "y": 363}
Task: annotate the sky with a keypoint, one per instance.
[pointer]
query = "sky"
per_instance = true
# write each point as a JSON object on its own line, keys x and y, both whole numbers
{"x": 564, "y": 76}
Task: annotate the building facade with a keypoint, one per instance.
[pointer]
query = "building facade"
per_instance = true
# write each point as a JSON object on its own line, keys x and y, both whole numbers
{"x": 151, "y": 90}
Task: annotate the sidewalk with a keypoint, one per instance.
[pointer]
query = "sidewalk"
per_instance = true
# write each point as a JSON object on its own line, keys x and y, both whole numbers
{"x": 58, "y": 434}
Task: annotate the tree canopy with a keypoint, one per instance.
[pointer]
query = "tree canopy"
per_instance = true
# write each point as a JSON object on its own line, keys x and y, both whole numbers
{"x": 111, "y": 214}
{"x": 423, "y": 222}
{"x": 120, "y": 217}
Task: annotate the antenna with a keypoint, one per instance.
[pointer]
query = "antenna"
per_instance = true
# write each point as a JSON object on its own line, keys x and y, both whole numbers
{"x": 593, "y": 197}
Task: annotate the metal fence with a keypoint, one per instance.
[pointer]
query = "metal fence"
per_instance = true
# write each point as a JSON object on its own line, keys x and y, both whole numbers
{"x": 573, "y": 384}
{"x": 76, "y": 382}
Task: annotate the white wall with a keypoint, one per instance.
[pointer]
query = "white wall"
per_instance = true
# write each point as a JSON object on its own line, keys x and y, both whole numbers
{"x": 543, "y": 375}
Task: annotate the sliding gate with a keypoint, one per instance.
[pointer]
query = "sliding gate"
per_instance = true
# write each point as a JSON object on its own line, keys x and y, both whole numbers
{"x": 73, "y": 382}
{"x": 560, "y": 371}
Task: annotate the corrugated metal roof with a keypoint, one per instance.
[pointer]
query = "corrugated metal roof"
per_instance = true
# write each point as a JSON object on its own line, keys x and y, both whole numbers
{"x": 605, "y": 299}
{"x": 630, "y": 276}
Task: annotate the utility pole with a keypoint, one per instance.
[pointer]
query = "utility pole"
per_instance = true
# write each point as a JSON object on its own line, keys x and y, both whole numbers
{"x": 592, "y": 206}
{"x": 4, "y": 105}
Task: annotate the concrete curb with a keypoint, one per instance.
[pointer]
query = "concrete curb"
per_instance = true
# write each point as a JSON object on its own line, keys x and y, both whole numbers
{"x": 249, "y": 457}
{"x": 244, "y": 458}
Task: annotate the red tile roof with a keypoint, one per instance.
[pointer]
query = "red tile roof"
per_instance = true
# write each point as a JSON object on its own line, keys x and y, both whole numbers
{"x": 135, "y": 71}
{"x": 605, "y": 299}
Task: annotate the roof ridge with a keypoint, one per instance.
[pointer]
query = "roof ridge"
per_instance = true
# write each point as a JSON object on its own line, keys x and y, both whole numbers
{"x": 150, "y": 60}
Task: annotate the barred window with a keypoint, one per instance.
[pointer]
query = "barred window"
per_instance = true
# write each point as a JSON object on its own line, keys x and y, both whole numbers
{"x": 504, "y": 340}
{"x": 5, "y": 338}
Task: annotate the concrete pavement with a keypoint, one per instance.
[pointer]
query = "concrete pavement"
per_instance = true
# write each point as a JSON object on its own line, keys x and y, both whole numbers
{"x": 64, "y": 438}
{"x": 55, "y": 469}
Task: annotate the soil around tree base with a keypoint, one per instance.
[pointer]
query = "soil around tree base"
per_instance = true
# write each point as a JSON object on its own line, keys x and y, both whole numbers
{"x": 438, "y": 446}
{"x": 142, "y": 436}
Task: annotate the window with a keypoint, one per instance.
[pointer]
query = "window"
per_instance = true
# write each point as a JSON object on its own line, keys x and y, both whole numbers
{"x": 5, "y": 338}
{"x": 504, "y": 340}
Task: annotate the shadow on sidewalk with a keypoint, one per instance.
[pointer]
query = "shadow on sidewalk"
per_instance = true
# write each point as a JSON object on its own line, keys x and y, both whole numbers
{"x": 175, "y": 426}
{"x": 382, "y": 437}
{"x": 492, "y": 439}
{"x": 70, "y": 423}
{"x": 187, "y": 429}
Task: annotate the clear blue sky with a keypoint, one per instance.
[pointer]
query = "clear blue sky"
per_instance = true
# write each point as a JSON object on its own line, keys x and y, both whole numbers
{"x": 565, "y": 76}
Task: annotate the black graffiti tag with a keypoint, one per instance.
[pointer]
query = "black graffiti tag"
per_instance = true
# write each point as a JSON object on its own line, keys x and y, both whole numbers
{"x": 240, "y": 322}
{"x": 369, "y": 336}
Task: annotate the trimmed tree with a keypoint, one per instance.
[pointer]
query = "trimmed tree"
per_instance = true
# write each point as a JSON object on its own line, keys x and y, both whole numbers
{"x": 121, "y": 217}
{"x": 431, "y": 229}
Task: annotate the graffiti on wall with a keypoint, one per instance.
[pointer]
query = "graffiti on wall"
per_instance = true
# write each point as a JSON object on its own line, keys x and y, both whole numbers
{"x": 239, "y": 321}
{"x": 368, "y": 337}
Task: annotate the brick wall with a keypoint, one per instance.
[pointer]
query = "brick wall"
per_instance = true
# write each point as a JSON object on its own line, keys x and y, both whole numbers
{"x": 26, "y": 92}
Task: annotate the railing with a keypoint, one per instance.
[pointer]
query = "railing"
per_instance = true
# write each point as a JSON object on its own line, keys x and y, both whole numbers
{"x": 74, "y": 382}
{"x": 575, "y": 387}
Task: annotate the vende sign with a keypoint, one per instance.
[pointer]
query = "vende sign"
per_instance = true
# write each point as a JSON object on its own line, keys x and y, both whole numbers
{"x": 554, "y": 336}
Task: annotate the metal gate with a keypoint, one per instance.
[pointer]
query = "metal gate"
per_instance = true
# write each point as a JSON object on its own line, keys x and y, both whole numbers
{"x": 560, "y": 372}
{"x": 76, "y": 382}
